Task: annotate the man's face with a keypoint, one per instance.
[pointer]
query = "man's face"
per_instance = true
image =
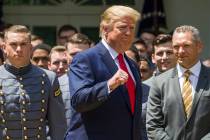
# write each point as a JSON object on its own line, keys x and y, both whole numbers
{"x": 145, "y": 71}
{"x": 148, "y": 38}
{"x": 64, "y": 35}
{"x": 164, "y": 56}
{"x": 40, "y": 58}
{"x": 74, "y": 48}
{"x": 120, "y": 36}
{"x": 131, "y": 55}
{"x": 142, "y": 50}
{"x": 186, "y": 49}
{"x": 17, "y": 47}
{"x": 59, "y": 63}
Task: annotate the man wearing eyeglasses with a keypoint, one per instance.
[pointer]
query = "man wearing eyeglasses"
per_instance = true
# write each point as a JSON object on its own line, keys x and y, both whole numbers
{"x": 40, "y": 55}
{"x": 59, "y": 60}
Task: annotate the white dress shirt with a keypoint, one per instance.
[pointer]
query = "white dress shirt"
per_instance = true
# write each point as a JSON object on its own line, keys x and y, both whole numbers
{"x": 195, "y": 71}
{"x": 114, "y": 55}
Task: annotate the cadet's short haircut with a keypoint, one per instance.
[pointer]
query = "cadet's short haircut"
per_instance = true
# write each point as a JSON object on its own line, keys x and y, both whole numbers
{"x": 17, "y": 29}
{"x": 66, "y": 27}
{"x": 42, "y": 47}
{"x": 79, "y": 38}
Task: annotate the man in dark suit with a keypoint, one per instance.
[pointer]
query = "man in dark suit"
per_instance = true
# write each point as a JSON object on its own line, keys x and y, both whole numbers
{"x": 179, "y": 99}
{"x": 105, "y": 84}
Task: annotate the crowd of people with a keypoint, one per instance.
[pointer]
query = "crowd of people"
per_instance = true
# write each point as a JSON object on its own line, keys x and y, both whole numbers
{"x": 122, "y": 88}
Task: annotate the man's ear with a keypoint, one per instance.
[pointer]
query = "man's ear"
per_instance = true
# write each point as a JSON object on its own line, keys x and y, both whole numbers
{"x": 4, "y": 48}
{"x": 49, "y": 65}
{"x": 153, "y": 58}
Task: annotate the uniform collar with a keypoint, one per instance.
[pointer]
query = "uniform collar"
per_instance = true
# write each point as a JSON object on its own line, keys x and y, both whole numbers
{"x": 17, "y": 71}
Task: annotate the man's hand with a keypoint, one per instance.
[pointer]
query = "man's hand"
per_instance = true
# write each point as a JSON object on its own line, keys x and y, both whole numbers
{"x": 119, "y": 78}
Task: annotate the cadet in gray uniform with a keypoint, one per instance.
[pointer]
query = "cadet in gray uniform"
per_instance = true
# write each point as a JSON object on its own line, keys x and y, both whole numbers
{"x": 29, "y": 96}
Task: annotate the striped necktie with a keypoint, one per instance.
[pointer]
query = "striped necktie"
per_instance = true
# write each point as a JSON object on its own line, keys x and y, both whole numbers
{"x": 187, "y": 92}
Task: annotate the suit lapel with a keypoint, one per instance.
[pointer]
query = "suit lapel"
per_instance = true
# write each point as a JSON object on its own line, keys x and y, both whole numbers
{"x": 107, "y": 59}
{"x": 109, "y": 62}
{"x": 202, "y": 81}
{"x": 136, "y": 76}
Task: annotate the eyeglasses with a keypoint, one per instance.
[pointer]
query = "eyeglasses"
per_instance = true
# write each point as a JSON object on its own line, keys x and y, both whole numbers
{"x": 42, "y": 58}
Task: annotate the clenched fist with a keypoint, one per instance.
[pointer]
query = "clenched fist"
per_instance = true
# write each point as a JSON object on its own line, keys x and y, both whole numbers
{"x": 119, "y": 78}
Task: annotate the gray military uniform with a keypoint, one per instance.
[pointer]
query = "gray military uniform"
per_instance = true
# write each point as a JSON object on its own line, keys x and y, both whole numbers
{"x": 29, "y": 97}
{"x": 64, "y": 86}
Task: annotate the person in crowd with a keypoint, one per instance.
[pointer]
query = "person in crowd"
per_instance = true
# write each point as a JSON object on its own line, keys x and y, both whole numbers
{"x": 1, "y": 57}
{"x": 145, "y": 68}
{"x": 164, "y": 59}
{"x": 59, "y": 60}
{"x": 132, "y": 53}
{"x": 148, "y": 36}
{"x": 29, "y": 95}
{"x": 141, "y": 47}
{"x": 65, "y": 32}
{"x": 36, "y": 40}
{"x": 40, "y": 55}
{"x": 163, "y": 56}
{"x": 77, "y": 43}
{"x": 178, "y": 105}
{"x": 103, "y": 83}
{"x": 206, "y": 62}
{"x": 1, "y": 39}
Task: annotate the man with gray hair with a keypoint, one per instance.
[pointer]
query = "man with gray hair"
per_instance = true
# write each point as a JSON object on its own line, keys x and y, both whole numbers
{"x": 178, "y": 104}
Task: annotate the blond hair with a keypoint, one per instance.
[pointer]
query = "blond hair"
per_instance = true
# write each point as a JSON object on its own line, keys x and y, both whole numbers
{"x": 115, "y": 13}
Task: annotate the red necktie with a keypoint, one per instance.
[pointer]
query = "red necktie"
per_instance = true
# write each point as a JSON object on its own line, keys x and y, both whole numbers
{"x": 129, "y": 84}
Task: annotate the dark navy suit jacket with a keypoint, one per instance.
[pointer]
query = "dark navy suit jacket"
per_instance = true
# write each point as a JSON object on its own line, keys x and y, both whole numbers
{"x": 97, "y": 114}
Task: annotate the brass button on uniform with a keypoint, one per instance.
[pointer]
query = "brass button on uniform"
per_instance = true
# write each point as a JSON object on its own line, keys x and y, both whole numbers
{"x": 41, "y": 120}
{"x": 2, "y": 111}
{"x": 3, "y": 120}
{"x": 24, "y": 111}
{"x": 20, "y": 78}
{"x": 1, "y": 93}
{"x": 7, "y": 137}
{"x": 43, "y": 75}
{"x": 21, "y": 86}
{"x": 25, "y": 137}
{"x": 40, "y": 128}
{"x": 23, "y": 102}
{"x": 2, "y": 102}
{"x": 5, "y": 129}
{"x": 24, "y": 128}
{"x": 24, "y": 119}
{"x": 43, "y": 109}
{"x": 42, "y": 82}
{"x": 38, "y": 136}
{"x": 22, "y": 93}
{"x": 42, "y": 91}
{"x": 43, "y": 101}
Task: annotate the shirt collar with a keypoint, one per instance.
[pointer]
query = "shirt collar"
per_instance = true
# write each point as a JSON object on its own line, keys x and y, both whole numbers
{"x": 195, "y": 69}
{"x": 112, "y": 52}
